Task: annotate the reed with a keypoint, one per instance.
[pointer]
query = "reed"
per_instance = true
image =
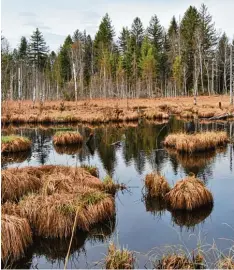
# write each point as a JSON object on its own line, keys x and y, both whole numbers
{"x": 53, "y": 216}
{"x": 67, "y": 137}
{"x": 156, "y": 185}
{"x": 16, "y": 236}
{"x": 188, "y": 194}
{"x": 196, "y": 142}
{"x": 110, "y": 186}
{"x": 13, "y": 143}
{"x": 119, "y": 258}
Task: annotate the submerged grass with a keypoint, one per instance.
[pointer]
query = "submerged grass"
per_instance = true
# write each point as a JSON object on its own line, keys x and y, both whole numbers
{"x": 196, "y": 142}
{"x": 13, "y": 143}
{"x": 188, "y": 194}
{"x": 67, "y": 137}
{"x": 16, "y": 236}
{"x": 119, "y": 258}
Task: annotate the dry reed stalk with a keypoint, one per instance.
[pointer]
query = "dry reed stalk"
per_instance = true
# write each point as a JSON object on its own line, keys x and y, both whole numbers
{"x": 53, "y": 216}
{"x": 15, "y": 143}
{"x": 196, "y": 142}
{"x": 61, "y": 138}
{"x": 119, "y": 258}
{"x": 188, "y": 194}
{"x": 156, "y": 185}
{"x": 16, "y": 236}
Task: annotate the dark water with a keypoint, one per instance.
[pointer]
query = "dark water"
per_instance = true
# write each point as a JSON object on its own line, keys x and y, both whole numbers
{"x": 140, "y": 224}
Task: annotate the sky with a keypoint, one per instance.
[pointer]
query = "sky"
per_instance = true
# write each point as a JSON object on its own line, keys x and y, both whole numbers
{"x": 58, "y": 18}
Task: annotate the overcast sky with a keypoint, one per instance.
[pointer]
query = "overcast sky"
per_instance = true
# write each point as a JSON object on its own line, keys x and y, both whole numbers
{"x": 58, "y": 18}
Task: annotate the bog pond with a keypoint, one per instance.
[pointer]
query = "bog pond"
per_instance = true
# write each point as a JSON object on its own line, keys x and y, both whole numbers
{"x": 140, "y": 225}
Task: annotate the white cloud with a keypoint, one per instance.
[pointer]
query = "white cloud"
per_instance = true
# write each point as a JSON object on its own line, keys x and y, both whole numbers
{"x": 57, "y": 19}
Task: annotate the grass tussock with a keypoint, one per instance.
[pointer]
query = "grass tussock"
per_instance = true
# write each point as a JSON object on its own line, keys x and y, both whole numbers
{"x": 156, "y": 185}
{"x": 67, "y": 137}
{"x": 179, "y": 261}
{"x": 53, "y": 216}
{"x": 48, "y": 179}
{"x": 196, "y": 142}
{"x": 93, "y": 170}
{"x": 226, "y": 263}
{"x": 18, "y": 182}
{"x": 119, "y": 258}
{"x": 16, "y": 236}
{"x": 188, "y": 194}
{"x": 110, "y": 186}
{"x": 13, "y": 143}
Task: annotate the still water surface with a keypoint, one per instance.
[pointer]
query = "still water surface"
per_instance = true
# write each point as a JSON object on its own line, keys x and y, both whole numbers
{"x": 139, "y": 225}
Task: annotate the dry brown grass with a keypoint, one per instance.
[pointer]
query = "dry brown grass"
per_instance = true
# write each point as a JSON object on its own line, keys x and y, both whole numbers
{"x": 116, "y": 110}
{"x": 156, "y": 185}
{"x": 226, "y": 263}
{"x": 67, "y": 137}
{"x": 13, "y": 143}
{"x": 179, "y": 261}
{"x": 119, "y": 258}
{"x": 53, "y": 216}
{"x": 17, "y": 182}
{"x": 196, "y": 142}
{"x": 188, "y": 194}
{"x": 48, "y": 179}
{"x": 91, "y": 169}
{"x": 16, "y": 236}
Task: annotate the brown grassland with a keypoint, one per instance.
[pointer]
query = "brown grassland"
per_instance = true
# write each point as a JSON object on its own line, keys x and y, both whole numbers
{"x": 156, "y": 185}
{"x": 188, "y": 194}
{"x": 196, "y": 142}
{"x": 115, "y": 110}
{"x": 13, "y": 143}
{"x": 67, "y": 137}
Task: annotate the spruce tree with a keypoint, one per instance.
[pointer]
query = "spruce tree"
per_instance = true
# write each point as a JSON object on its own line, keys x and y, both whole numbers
{"x": 23, "y": 48}
{"x": 38, "y": 49}
{"x": 155, "y": 33}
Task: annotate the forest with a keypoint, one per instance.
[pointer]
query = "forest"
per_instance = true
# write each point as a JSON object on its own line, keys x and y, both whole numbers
{"x": 189, "y": 58}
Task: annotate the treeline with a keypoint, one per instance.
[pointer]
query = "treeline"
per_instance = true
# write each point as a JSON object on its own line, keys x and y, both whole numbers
{"x": 190, "y": 57}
